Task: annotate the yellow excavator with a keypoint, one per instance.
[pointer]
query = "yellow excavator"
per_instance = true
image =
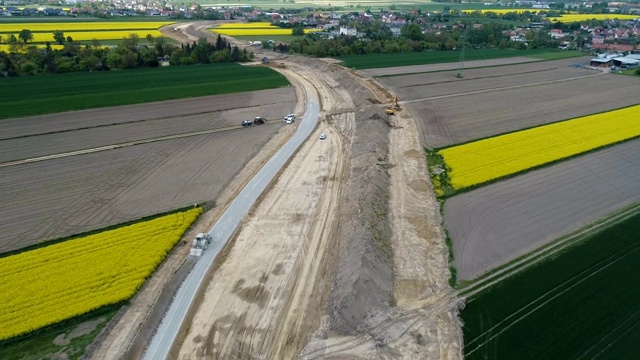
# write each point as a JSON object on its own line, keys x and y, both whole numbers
{"x": 391, "y": 109}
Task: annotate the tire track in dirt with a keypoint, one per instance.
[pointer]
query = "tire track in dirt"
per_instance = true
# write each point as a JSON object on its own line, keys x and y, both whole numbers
{"x": 293, "y": 325}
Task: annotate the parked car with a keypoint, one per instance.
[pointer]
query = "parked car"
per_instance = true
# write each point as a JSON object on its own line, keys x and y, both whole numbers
{"x": 290, "y": 118}
{"x": 247, "y": 123}
{"x": 323, "y": 136}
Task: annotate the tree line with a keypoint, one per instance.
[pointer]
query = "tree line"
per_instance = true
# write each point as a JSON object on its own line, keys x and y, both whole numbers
{"x": 130, "y": 53}
{"x": 379, "y": 39}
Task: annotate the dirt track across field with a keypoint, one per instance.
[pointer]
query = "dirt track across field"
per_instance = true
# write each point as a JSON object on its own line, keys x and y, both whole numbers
{"x": 65, "y": 196}
{"x": 499, "y": 222}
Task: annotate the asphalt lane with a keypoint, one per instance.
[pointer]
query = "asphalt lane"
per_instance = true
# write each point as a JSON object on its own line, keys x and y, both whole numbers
{"x": 222, "y": 231}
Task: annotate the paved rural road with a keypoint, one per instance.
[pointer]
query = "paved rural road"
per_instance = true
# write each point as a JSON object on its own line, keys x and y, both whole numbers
{"x": 222, "y": 231}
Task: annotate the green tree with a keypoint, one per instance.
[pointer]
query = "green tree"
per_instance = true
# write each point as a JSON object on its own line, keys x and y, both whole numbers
{"x": 58, "y": 36}
{"x": 25, "y": 35}
{"x": 297, "y": 31}
{"x": 131, "y": 41}
{"x": 411, "y": 31}
{"x": 28, "y": 68}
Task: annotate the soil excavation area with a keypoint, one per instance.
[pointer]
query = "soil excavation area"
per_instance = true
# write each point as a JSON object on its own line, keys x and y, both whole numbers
{"x": 499, "y": 222}
{"x": 492, "y": 101}
{"x": 68, "y": 195}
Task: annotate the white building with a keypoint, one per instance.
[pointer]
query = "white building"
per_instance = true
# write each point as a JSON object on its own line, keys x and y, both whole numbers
{"x": 348, "y": 31}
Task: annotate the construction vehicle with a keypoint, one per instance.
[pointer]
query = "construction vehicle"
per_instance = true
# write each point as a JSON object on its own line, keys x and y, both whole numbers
{"x": 200, "y": 244}
{"x": 396, "y": 106}
{"x": 391, "y": 109}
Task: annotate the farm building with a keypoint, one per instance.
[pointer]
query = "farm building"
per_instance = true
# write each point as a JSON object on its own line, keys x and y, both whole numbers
{"x": 616, "y": 60}
{"x": 626, "y": 61}
{"x": 604, "y": 60}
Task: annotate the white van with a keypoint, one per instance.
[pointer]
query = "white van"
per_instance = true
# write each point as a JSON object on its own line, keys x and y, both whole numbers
{"x": 289, "y": 118}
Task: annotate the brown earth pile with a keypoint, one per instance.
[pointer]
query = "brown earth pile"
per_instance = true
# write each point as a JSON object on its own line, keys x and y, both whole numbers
{"x": 364, "y": 272}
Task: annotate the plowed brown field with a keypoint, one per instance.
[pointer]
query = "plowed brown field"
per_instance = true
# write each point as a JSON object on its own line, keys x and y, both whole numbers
{"x": 68, "y": 195}
{"x": 478, "y": 106}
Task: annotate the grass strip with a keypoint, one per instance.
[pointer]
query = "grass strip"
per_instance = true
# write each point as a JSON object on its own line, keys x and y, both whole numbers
{"x": 40, "y": 344}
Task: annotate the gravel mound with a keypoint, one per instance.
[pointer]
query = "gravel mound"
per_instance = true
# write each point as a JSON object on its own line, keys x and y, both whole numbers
{"x": 363, "y": 285}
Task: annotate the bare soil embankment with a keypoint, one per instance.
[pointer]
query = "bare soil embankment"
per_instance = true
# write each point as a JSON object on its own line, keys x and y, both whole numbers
{"x": 364, "y": 275}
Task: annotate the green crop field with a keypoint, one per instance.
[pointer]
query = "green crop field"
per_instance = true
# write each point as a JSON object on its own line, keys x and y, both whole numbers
{"x": 54, "y": 93}
{"x": 43, "y": 345}
{"x": 581, "y": 303}
{"x": 371, "y": 61}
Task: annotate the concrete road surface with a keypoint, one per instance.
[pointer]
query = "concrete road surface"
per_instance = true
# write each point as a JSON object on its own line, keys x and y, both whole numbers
{"x": 223, "y": 229}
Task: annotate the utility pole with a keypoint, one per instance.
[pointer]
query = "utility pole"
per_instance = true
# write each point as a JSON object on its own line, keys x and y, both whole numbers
{"x": 460, "y": 73}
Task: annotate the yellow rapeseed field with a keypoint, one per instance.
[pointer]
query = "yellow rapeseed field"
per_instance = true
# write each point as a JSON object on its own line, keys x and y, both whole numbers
{"x": 99, "y": 35}
{"x": 47, "y": 285}
{"x": 568, "y": 18}
{"x": 81, "y": 26}
{"x": 484, "y": 160}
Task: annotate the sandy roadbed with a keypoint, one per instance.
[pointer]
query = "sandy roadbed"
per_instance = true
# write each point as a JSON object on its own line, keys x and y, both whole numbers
{"x": 276, "y": 259}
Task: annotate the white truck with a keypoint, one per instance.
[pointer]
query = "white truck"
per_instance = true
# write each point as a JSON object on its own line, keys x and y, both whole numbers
{"x": 200, "y": 244}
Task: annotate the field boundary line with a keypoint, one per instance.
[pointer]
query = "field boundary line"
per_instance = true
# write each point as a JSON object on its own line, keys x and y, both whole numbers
{"x": 121, "y": 145}
{"x": 478, "y": 78}
{"x": 500, "y": 88}
{"x": 542, "y": 253}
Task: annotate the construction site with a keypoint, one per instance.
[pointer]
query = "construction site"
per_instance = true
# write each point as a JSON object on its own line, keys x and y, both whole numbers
{"x": 342, "y": 257}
